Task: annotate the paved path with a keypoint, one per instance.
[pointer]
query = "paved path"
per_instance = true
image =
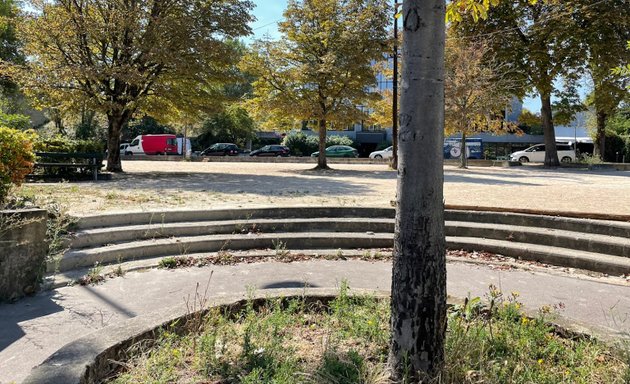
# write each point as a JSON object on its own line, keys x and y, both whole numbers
{"x": 34, "y": 328}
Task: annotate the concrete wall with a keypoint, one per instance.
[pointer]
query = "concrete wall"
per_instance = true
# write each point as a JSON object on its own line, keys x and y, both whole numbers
{"x": 23, "y": 251}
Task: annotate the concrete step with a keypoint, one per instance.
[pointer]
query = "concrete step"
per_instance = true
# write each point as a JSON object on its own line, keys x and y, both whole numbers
{"x": 214, "y": 243}
{"x": 597, "y": 262}
{"x": 602, "y": 227}
{"x": 610, "y": 245}
{"x": 160, "y": 217}
{"x": 336, "y": 240}
{"x": 545, "y": 236}
{"x": 116, "y": 235}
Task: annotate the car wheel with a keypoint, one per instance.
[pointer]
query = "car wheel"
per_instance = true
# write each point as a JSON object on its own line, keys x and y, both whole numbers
{"x": 523, "y": 159}
{"x": 378, "y": 157}
{"x": 128, "y": 153}
{"x": 566, "y": 159}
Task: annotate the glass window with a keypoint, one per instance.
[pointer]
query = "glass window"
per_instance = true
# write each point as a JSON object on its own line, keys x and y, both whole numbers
{"x": 134, "y": 143}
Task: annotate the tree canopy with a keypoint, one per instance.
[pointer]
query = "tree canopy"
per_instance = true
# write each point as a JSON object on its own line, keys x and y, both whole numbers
{"x": 163, "y": 58}
{"x": 477, "y": 90}
{"x": 321, "y": 69}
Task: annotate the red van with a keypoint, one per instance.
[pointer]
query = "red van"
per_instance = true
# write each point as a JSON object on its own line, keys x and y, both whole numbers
{"x": 153, "y": 145}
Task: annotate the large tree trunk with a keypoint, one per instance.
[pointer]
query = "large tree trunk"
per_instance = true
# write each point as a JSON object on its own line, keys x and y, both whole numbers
{"x": 418, "y": 306}
{"x": 321, "y": 158}
{"x": 551, "y": 152}
{"x": 463, "y": 158}
{"x": 600, "y": 137}
{"x": 115, "y": 122}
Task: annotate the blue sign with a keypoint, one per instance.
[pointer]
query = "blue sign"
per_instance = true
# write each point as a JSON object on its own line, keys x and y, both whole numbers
{"x": 453, "y": 148}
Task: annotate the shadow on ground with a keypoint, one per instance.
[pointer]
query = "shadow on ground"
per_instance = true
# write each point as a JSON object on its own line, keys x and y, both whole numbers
{"x": 11, "y": 315}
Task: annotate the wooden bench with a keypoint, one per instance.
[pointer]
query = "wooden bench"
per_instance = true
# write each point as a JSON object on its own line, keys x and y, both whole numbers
{"x": 93, "y": 161}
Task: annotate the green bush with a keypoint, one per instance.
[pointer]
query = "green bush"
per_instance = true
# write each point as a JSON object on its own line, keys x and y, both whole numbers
{"x": 16, "y": 158}
{"x": 20, "y": 122}
{"x": 301, "y": 144}
{"x": 60, "y": 144}
{"x": 614, "y": 144}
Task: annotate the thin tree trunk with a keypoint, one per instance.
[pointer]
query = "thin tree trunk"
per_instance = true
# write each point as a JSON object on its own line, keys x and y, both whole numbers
{"x": 463, "y": 159}
{"x": 600, "y": 137}
{"x": 114, "y": 129}
{"x": 551, "y": 152}
{"x": 321, "y": 158}
{"x": 418, "y": 306}
{"x": 394, "y": 162}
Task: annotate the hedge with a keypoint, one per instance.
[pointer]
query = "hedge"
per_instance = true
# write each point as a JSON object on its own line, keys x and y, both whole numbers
{"x": 16, "y": 158}
{"x": 301, "y": 144}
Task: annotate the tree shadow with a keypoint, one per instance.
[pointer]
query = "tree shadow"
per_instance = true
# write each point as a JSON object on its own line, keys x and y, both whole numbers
{"x": 235, "y": 183}
{"x": 23, "y": 310}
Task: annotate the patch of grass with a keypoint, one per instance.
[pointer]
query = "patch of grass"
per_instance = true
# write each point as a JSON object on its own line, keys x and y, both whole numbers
{"x": 168, "y": 263}
{"x": 94, "y": 275}
{"x": 347, "y": 342}
{"x": 280, "y": 247}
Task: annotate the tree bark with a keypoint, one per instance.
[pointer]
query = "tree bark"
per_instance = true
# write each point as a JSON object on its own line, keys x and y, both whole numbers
{"x": 463, "y": 159}
{"x": 551, "y": 152}
{"x": 418, "y": 306}
{"x": 115, "y": 122}
{"x": 321, "y": 158}
{"x": 599, "y": 149}
{"x": 394, "y": 162}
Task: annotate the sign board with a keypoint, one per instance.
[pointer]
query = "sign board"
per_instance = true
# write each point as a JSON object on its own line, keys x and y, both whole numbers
{"x": 453, "y": 148}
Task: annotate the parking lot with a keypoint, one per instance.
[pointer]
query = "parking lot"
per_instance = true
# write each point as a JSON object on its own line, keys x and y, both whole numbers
{"x": 147, "y": 185}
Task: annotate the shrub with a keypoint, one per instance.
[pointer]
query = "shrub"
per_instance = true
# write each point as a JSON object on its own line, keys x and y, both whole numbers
{"x": 19, "y": 122}
{"x": 614, "y": 145}
{"x": 301, "y": 144}
{"x": 16, "y": 158}
{"x": 60, "y": 144}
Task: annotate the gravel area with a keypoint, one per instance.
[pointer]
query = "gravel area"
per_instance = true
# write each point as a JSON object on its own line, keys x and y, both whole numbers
{"x": 150, "y": 185}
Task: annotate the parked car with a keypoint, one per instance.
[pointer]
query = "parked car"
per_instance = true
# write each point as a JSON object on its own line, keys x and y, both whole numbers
{"x": 536, "y": 154}
{"x": 339, "y": 151}
{"x": 386, "y": 153}
{"x": 153, "y": 145}
{"x": 272, "y": 150}
{"x": 221, "y": 149}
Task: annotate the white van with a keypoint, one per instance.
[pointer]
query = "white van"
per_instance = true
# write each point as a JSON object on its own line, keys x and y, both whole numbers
{"x": 536, "y": 154}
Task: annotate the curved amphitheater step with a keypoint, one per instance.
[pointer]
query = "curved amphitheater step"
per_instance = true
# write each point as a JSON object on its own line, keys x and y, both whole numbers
{"x": 598, "y": 245}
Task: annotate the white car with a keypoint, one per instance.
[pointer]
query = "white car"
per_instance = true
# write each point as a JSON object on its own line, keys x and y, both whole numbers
{"x": 536, "y": 154}
{"x": 386, "y": 153}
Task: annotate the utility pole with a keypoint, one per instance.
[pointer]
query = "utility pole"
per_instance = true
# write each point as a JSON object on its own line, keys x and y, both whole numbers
{"x": 395, "y": 92}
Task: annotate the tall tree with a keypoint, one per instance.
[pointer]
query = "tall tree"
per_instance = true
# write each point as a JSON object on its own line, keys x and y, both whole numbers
{"x": 164, "y": 58}
{"x": 604, "y": 30}
{"x": 10, "y": 45}
{"x": 321, "y": 69}
{"x": 539, "y": 40}
{"x": 418, "y": 305}
{"x": 477, "y": 89}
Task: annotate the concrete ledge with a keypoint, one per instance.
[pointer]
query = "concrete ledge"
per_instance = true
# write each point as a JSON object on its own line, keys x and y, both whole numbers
{"x": 90, "y": 359}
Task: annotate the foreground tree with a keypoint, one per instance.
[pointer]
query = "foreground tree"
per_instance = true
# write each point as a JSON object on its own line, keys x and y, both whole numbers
{"x": 321, "y": 69}
{"x": 418, "y": 306}
{"x": 164, "y": 58}
{"x": 478, "y": 88}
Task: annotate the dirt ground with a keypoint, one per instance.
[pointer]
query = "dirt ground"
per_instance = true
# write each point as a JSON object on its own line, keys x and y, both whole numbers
{"x": 150, "y": 185}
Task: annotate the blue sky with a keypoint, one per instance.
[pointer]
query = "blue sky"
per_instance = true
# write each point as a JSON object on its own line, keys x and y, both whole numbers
{"x": 269, "y": 12}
